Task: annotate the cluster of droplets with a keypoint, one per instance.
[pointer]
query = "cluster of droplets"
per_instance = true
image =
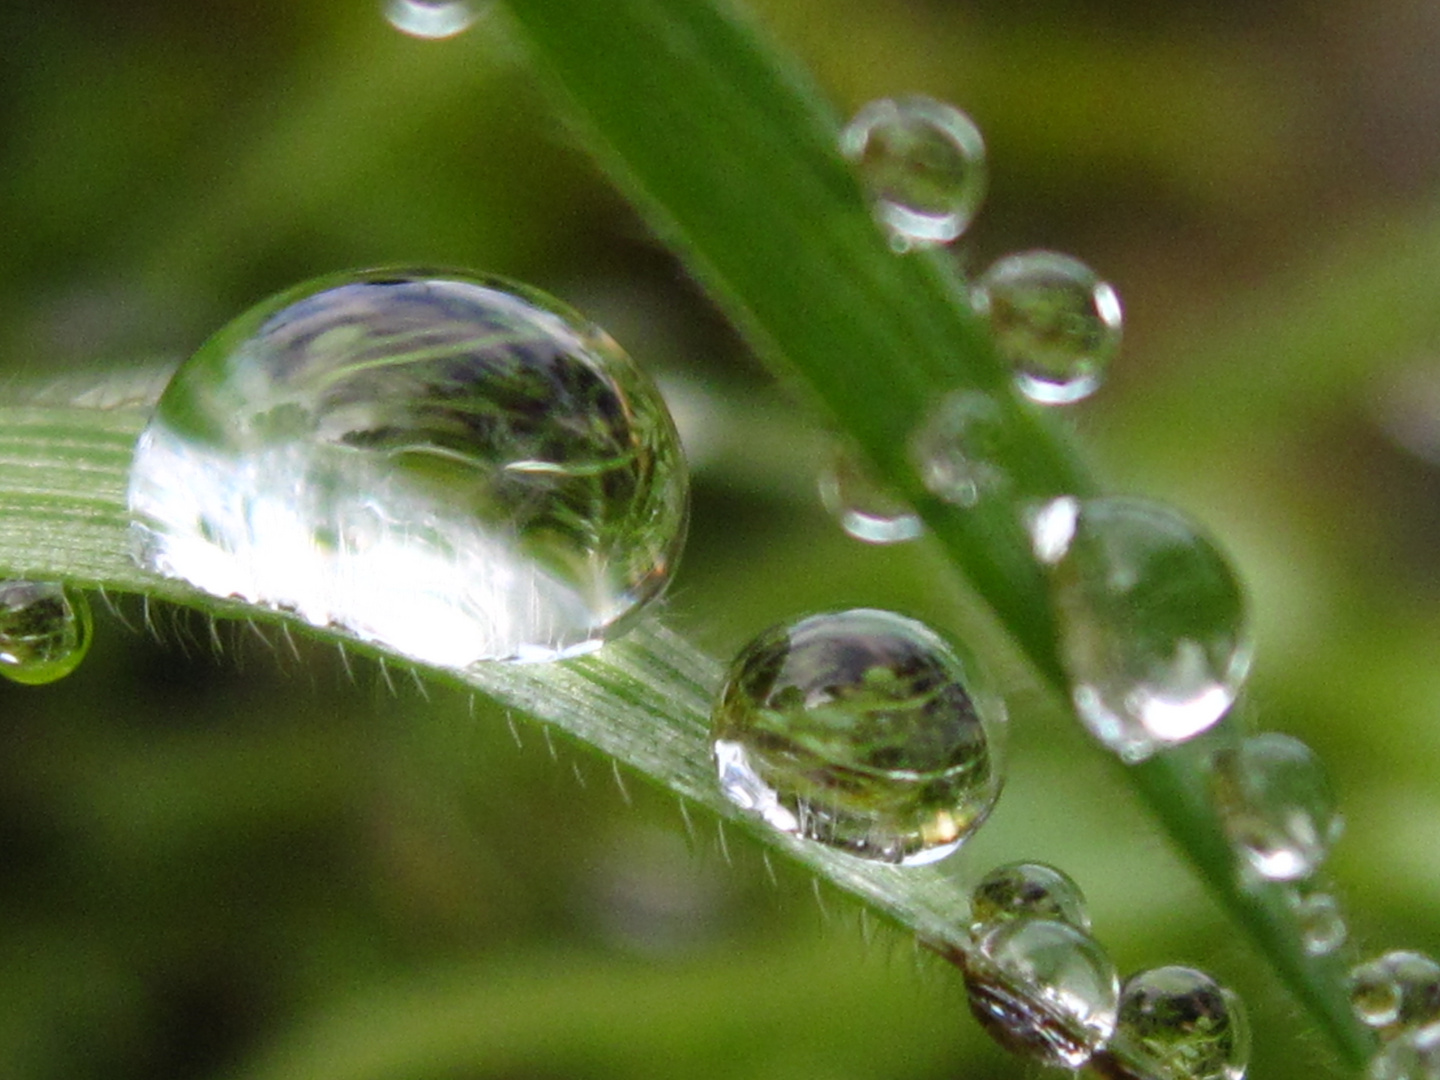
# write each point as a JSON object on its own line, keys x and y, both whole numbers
{"x": 1153, "y": 637}
{"x": 461, "y": 469}
{"x": 863, "y": 730}
{"x": 1052, "y": 320}
{"x": 1151, "y": 618}
{"x": 1397, "y": 994}
{"x": 1043, "y": 987}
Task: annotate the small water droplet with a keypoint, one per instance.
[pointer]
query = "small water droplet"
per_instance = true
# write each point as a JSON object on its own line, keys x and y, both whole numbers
{"x": 1044, "y": 989}
{"x": 1322, "y": 923}
{"x": 1027, "y": 890}
{"x": 863, "y": 730}
{"x": 458, "y": 468}
{"x": 1413, "y": 1054}
{"x": 1398, "y": 990}
{"x": 923, "y": 163}
{"x": 1152, "y": 620}
{"x": 958, "y": 447}
{"x": 1277, "y": 805}
{"x": 863, "y": 508}
{"x": 1054, "y": 322}
{"x": 1177, "y": 1023}
{"x": 45, "y": 631}
{"x": 433, "y": 19}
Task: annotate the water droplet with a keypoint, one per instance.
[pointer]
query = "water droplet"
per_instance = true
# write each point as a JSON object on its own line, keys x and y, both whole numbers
{"x": 45, "y": 631}
{"x": 1322, "y": 923}
{"x": 1395, "y": 991}
{"x": 1054, "y": 322}
{"x": 460, "y": 469}
{"x": 1152, "y": 620}
{"x": 1177, "y": 1023}
{"x": 1044, "y": 989}
{"x": 433, "y": 19}
{"x": 863, "y": 508}
{"x": 1027, "y": 890}
{"x": 1277, "y": 805}
{"x": 1413, "y": 1054}
{"x": 958, "y": 448}
{"x": 860, "y": 729}
{"x": 923, "y": 163}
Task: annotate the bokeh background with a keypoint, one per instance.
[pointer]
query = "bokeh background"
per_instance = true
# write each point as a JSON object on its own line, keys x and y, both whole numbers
{"x": 247, "y": 862}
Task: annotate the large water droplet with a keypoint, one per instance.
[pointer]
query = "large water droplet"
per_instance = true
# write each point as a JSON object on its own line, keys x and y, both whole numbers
{"x": 958, "y": 448}
{"x": 1054, "y": 322}
{"x": 860, "y": 729}
{"x": 1177, "y": 1023}
{"x": 1044, "y": 989}
{"x": 460, "y": 469}
{"x": 862, "y": 506}
{"x": 1027, "y": 890}
{"x": 433, "y": 19}
{"x": 1398, "y": 990}
{"x": 45, "y": 631}
{"x": 1414, "y": 1054}
{"x": 1277, "y": 805}
{"x": 923, "y": 163}
{"x": 1152, "y": 620}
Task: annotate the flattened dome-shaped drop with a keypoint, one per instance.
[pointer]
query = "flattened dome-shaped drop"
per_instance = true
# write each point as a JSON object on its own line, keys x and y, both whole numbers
{"x": 454, "y": 467}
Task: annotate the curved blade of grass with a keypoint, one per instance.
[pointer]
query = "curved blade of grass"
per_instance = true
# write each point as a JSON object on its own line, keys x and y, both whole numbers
{"x": 644, "y": 700}
{"x": 731, "y": 154}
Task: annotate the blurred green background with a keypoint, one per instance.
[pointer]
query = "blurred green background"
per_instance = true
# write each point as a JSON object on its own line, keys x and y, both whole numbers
{"x": 252, "y": 863}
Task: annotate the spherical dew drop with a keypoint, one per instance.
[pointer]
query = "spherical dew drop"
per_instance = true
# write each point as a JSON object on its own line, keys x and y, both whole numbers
{"x": 1053, "y": 321}
{"x": 863, "y": 730}
{"x": 1027, "y": 890}
{"x": 1178, "y": 1023}
{"x": 1043, "y": 989}
{"x": 45, "y": 631}
{"x": 923, "y": 163}
{"x": 1276, "y": 804}
{"x": 1153, "y": 627}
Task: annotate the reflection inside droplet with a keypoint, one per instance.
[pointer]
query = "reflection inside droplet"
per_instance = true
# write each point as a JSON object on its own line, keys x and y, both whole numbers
{"x": 923, "y": 163}
{"x": 457, "y": 468}
{"x": 863, "y": 730}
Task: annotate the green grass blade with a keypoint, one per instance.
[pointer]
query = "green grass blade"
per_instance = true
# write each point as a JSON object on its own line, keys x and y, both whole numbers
{"x": 644, "y": 701}
{"x": 731, "y": 154}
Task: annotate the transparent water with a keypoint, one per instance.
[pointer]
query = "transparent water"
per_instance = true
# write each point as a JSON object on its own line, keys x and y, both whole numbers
{"x": 1397, "y": 990}
{"x": 1054, "y": 322}
{"x": 1043, "y": 989}
{"x": 1152, "y": 620}
{"x": 45, "y": 631}
{"x": 458, "y": 468}
{"x": 1322, "y": 922}
{"x": 864, "y": 509}
{"x": 957, "y": 449}
{"x": 923, "y": 163}
{"x": 1027, "y": 890}
{"x": 1413, "y": 1054}
{"x": 433, "y": 19}
{"x": 1277, "y": 805}
{"x": 862, "y": 730}
{"x": 1178, "y": 1023}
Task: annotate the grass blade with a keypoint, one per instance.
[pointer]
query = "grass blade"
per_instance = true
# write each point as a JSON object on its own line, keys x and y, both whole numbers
{"x": 731, "y": 154}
